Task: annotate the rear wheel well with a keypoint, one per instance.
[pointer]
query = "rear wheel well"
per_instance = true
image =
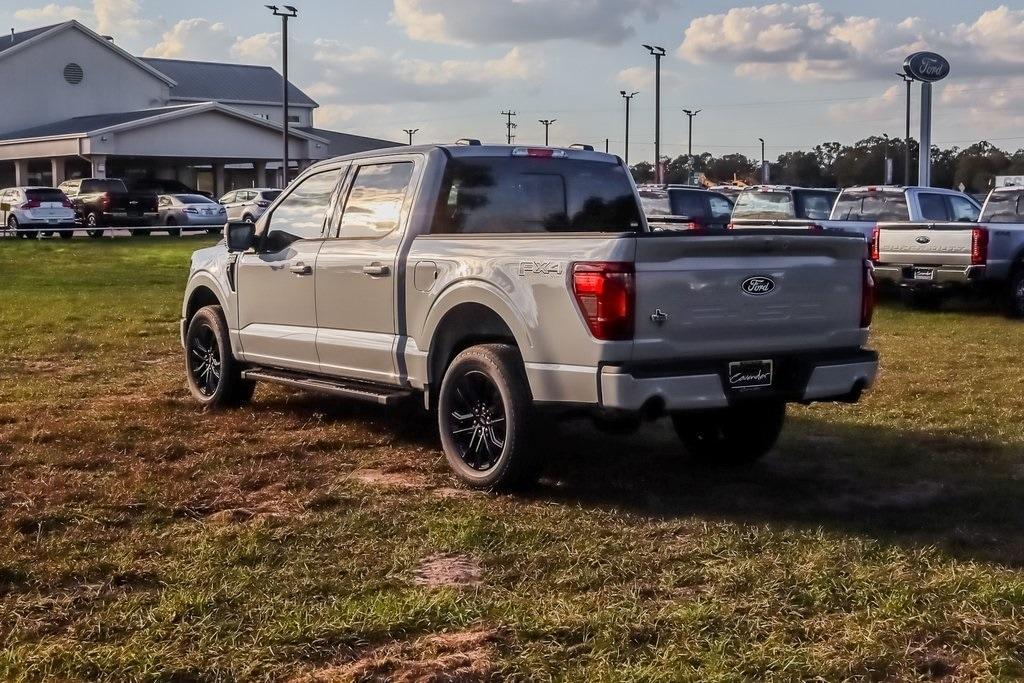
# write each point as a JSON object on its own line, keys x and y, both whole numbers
{"x": 201, "y": 297}
{"x": 464, "y": 326}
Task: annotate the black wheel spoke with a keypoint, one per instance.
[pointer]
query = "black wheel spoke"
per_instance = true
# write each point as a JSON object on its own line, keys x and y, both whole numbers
{"x": 204, "y": 360}
{"x": 476, "y": 420}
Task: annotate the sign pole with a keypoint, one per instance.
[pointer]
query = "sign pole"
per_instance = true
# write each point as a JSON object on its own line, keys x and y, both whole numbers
{"x": 924, "y": 164}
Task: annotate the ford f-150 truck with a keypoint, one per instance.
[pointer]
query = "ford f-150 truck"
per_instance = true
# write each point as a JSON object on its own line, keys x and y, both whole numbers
{"x": 496, "y": 281}
{"x": 101, "y": 202}
{"x": 859, "y": 209}
{"x": 930, "y": 259}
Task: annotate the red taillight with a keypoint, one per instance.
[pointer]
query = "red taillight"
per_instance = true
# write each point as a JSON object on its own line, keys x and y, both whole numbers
{"x": 105, "y": 201}
{"x": 979, "y": 246}
{"x": 605, "y": 294}
{"x": 31, "y": 204}
{"x": 814, "y": 227}
{"x": 867, "y": 295}
{"x": 876, "y": 251}
{"x": 539, "y": 152}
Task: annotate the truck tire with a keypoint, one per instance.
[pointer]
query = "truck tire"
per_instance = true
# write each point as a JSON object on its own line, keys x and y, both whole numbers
{"x": 731, "y": 436}
{"x": 12, "y": 225}
{"x": 140, "y": 232}
{"x": 483, "y": 414}
{"x": 1015, "y": 293}
{"x": 93, "y": 225}
{"x": 172, "y": 229}
{"x": 214, "y": 376}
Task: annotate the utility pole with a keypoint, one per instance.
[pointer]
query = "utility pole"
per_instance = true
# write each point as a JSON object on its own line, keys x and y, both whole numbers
{"x": 628, "y": 97}
{"x": 658, "y": 52}
{"x": 509, "y": 126}
{"x": 288, "y": 12}
{"x": 410, "y": 132}
{"x": 906, "y": 141}
{"x": 547, "y": 124}
{"x": 764, "y": 168}
{"x": 690, "y": 113}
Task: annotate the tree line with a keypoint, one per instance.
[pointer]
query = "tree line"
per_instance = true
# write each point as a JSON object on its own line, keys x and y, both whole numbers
{"x": 832, "y": 164}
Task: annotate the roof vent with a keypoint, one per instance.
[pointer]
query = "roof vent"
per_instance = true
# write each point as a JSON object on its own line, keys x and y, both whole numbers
{"x": 580, "y": 145}
{"x": 472, "y": 142}
{"x": 73, "y": 73}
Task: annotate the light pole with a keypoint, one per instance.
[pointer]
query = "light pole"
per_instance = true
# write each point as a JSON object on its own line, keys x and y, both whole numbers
{"x": 690, "y": 113}
{"x": 764, "y": 169}
{"x": 628, "y": 97}
{"x": 410, "y": 132}
{"x": 658, "y": 52}
{"x": 886, "y": 166}
{"x": 286, "y": 13}
{"x": 547, "y": 124}
{"x": 906, "y": 141}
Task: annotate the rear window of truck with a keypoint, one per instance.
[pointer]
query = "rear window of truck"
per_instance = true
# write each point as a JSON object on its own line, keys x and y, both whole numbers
{"x": 655, "y": 203}
{"x": 815, "y": 205}
{"x": 112, "y": 185}
{"x": 1004, "y": 207}
{"x": 523, "y": 194}
{"x": 766, "y": 205}
{"x": 871, "y": 207}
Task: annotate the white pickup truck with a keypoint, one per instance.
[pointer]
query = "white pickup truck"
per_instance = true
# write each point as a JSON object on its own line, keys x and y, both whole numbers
{"x": 931, "y": 259}
{"x": 497, "y": 281}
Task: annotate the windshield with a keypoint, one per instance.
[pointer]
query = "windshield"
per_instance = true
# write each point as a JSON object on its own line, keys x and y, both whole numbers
{"x": 815, "y": 205}
{"x": 193, "y": 199}
{"x": 522, "y": 194}
{"x": 764, "y": 204}
{"x": 1004, "y": 207}
{"x": 46, "y": 195}
{"x": 871, "y": 207}
{"x": 655, "y": 203}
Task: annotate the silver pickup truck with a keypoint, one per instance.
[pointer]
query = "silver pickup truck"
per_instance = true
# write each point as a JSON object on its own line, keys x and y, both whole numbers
{"x": 496, "y": 281}
{"x": 930, "y": 259}
{"x": 859, "y": 209}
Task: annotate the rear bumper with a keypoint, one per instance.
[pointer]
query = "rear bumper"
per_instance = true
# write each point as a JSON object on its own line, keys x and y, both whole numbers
{"x": 943, "y": 276}
{"x": 824, "y": 376}
{"x": 124, "y": 219}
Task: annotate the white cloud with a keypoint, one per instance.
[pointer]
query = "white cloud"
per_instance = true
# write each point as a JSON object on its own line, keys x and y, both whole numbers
{"x": 192, "y": 39}
{"x": 119, "y": 18}
{"x": 886, "y": 106}
{"x": 51, "y": 14}
{"x": 641, "y": 78}
{"x": 523, "y": 21}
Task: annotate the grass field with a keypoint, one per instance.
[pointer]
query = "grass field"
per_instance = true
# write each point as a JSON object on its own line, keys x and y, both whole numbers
{"x": 305, "y": 538}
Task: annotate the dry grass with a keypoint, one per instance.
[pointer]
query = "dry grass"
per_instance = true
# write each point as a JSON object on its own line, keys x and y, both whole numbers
{"x": 141, "y": 538}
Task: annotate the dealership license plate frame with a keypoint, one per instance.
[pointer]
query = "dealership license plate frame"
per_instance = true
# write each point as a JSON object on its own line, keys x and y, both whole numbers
{"x": 924, "y": 274}
{"x": 744, "y": 375}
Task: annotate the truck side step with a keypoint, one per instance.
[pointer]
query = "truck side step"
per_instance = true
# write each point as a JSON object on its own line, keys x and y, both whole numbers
{"x": 363, "y": 391}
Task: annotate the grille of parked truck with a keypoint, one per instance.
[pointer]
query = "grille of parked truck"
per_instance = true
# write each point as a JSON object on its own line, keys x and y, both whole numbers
{"x": 929, "y": 260}
{"x": 498, "y": 284}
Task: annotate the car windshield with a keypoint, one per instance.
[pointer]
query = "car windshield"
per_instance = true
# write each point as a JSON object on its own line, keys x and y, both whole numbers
{"x": 525, "y": 194}
{"x": 193, "y": 199}
{"x": 765, "y": 204}
{"x": 46, "y": 195}
{"x": 1004, "y": 207}
{"x": 270, "y": 195}
{"x": 655, "y": 203}
{"x": 815, "y": 205}
{"x": 870, "y": 206}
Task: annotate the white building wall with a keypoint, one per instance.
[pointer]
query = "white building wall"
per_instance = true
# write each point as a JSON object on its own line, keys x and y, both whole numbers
{"x": 32, "y": 79}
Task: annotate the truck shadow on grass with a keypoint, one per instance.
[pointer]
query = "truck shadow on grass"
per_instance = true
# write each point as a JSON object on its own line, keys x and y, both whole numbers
{"x": 963, "y": 496}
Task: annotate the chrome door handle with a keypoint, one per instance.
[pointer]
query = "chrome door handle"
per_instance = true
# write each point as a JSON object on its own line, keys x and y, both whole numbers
{"x": 376, "y": 270}
{"x": 301, "y": 269}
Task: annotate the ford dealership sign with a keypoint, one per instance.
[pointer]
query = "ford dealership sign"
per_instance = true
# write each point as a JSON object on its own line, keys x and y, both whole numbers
{"x": 926, "y": 66}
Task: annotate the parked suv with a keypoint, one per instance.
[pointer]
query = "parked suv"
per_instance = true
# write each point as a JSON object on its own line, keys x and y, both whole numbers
{"x": 675, "y": 207}
{"x": 248, "y": 205}
{"x": 495, "y": 282}
{"x": 32, "y": 211}
{"x": 782, "y": 205}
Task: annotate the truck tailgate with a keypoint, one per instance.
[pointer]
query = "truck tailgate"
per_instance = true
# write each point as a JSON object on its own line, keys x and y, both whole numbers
{"x": 925, "y": 243}
{"x": 747, "y": 293}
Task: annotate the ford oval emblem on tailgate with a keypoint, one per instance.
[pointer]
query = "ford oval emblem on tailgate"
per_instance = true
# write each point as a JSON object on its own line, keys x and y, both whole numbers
{"x": 758, "y": 285}
{"x": 923, "y": 239}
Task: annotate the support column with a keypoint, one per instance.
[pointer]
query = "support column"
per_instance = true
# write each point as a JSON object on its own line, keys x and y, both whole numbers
{"x": 261, "y": 173}
{"x": 219, "y": 183}
{"x": 99, "y": 165}
{"x": 57, "y": 171}
{"x": 165, "y": 173}
{"x": 21, "y": 172}
{"x": 924, "y": 161}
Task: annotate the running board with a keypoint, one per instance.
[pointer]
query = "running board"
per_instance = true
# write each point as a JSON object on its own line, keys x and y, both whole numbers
{"x": 373, "y": 393}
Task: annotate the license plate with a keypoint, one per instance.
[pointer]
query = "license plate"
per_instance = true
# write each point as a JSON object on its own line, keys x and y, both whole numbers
{"x": 750, "y": 374}
{"x": 924, "y": 273}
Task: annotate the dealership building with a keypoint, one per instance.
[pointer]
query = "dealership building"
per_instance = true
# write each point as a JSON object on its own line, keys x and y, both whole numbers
{"x": 77, "y": 105}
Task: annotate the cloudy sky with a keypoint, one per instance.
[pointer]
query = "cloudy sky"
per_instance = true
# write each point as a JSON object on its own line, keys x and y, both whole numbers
{"x": 796, "y": 74}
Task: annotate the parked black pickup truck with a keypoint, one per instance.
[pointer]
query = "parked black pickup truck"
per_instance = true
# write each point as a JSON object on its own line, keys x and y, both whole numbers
{"x": 101, "y": 202}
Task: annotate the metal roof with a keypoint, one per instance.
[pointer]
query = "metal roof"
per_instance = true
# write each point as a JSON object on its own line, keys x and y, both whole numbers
{"x": 10, "y": 41}
{"x": 346, "y": 143}
{"x": 86, "y": 124}
{"x": 204, "y": 81}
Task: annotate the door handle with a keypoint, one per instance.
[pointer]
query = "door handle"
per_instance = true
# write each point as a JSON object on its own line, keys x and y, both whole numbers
{"x": 301, "y": 269}
{"x": 377, "y": 270}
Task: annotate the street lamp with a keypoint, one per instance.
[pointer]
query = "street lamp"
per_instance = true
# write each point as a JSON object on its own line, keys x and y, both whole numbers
{"x": 286, "y": 12}
{"x": 764, "y": 169}
{"x": 658, "y": 52}
{"x": 628, "y": 97}
{"x": 410, "y": 132}
{"x": 886, "y": 172}
{"x": 690, "y": 113}
{"x": 547, "y": 124}
{"x": 906, "y": 142}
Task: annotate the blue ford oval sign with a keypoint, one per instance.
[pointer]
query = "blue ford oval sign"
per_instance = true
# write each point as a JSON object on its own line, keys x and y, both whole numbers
{"x": 926, "y": 66}
{"x": 759, "y": 285}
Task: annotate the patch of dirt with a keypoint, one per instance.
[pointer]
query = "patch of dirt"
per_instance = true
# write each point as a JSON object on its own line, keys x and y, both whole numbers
{"x": 447, "y": 570}
{"x": 912, "y": 495}
{"x": 448, "y": 492}
{"x": 34, "y": 367}
{"x": 399, "y": 479}
{"x": 463, "y": 656}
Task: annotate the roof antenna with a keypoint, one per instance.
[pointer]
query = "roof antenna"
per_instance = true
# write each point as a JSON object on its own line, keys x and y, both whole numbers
{"x": 12, "y": 35}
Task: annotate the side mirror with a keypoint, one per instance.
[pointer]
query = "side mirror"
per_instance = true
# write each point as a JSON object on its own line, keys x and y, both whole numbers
{"x": 240, "y": 236}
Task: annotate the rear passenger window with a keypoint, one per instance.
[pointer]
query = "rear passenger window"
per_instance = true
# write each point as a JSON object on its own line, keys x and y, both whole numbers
{"x": 688, "y": 204}
{"x": 374, "y": 204}
{"x": 963, "y": 210}
{"x": 721, "y": 208}
{"x": 933, "y": 207}
{"x": 1004, "y": 207}
{"x": 301, "y": 215}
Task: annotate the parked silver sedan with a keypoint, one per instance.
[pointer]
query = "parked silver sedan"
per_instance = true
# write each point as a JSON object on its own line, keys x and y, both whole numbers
{"x": 190, "y": 212}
